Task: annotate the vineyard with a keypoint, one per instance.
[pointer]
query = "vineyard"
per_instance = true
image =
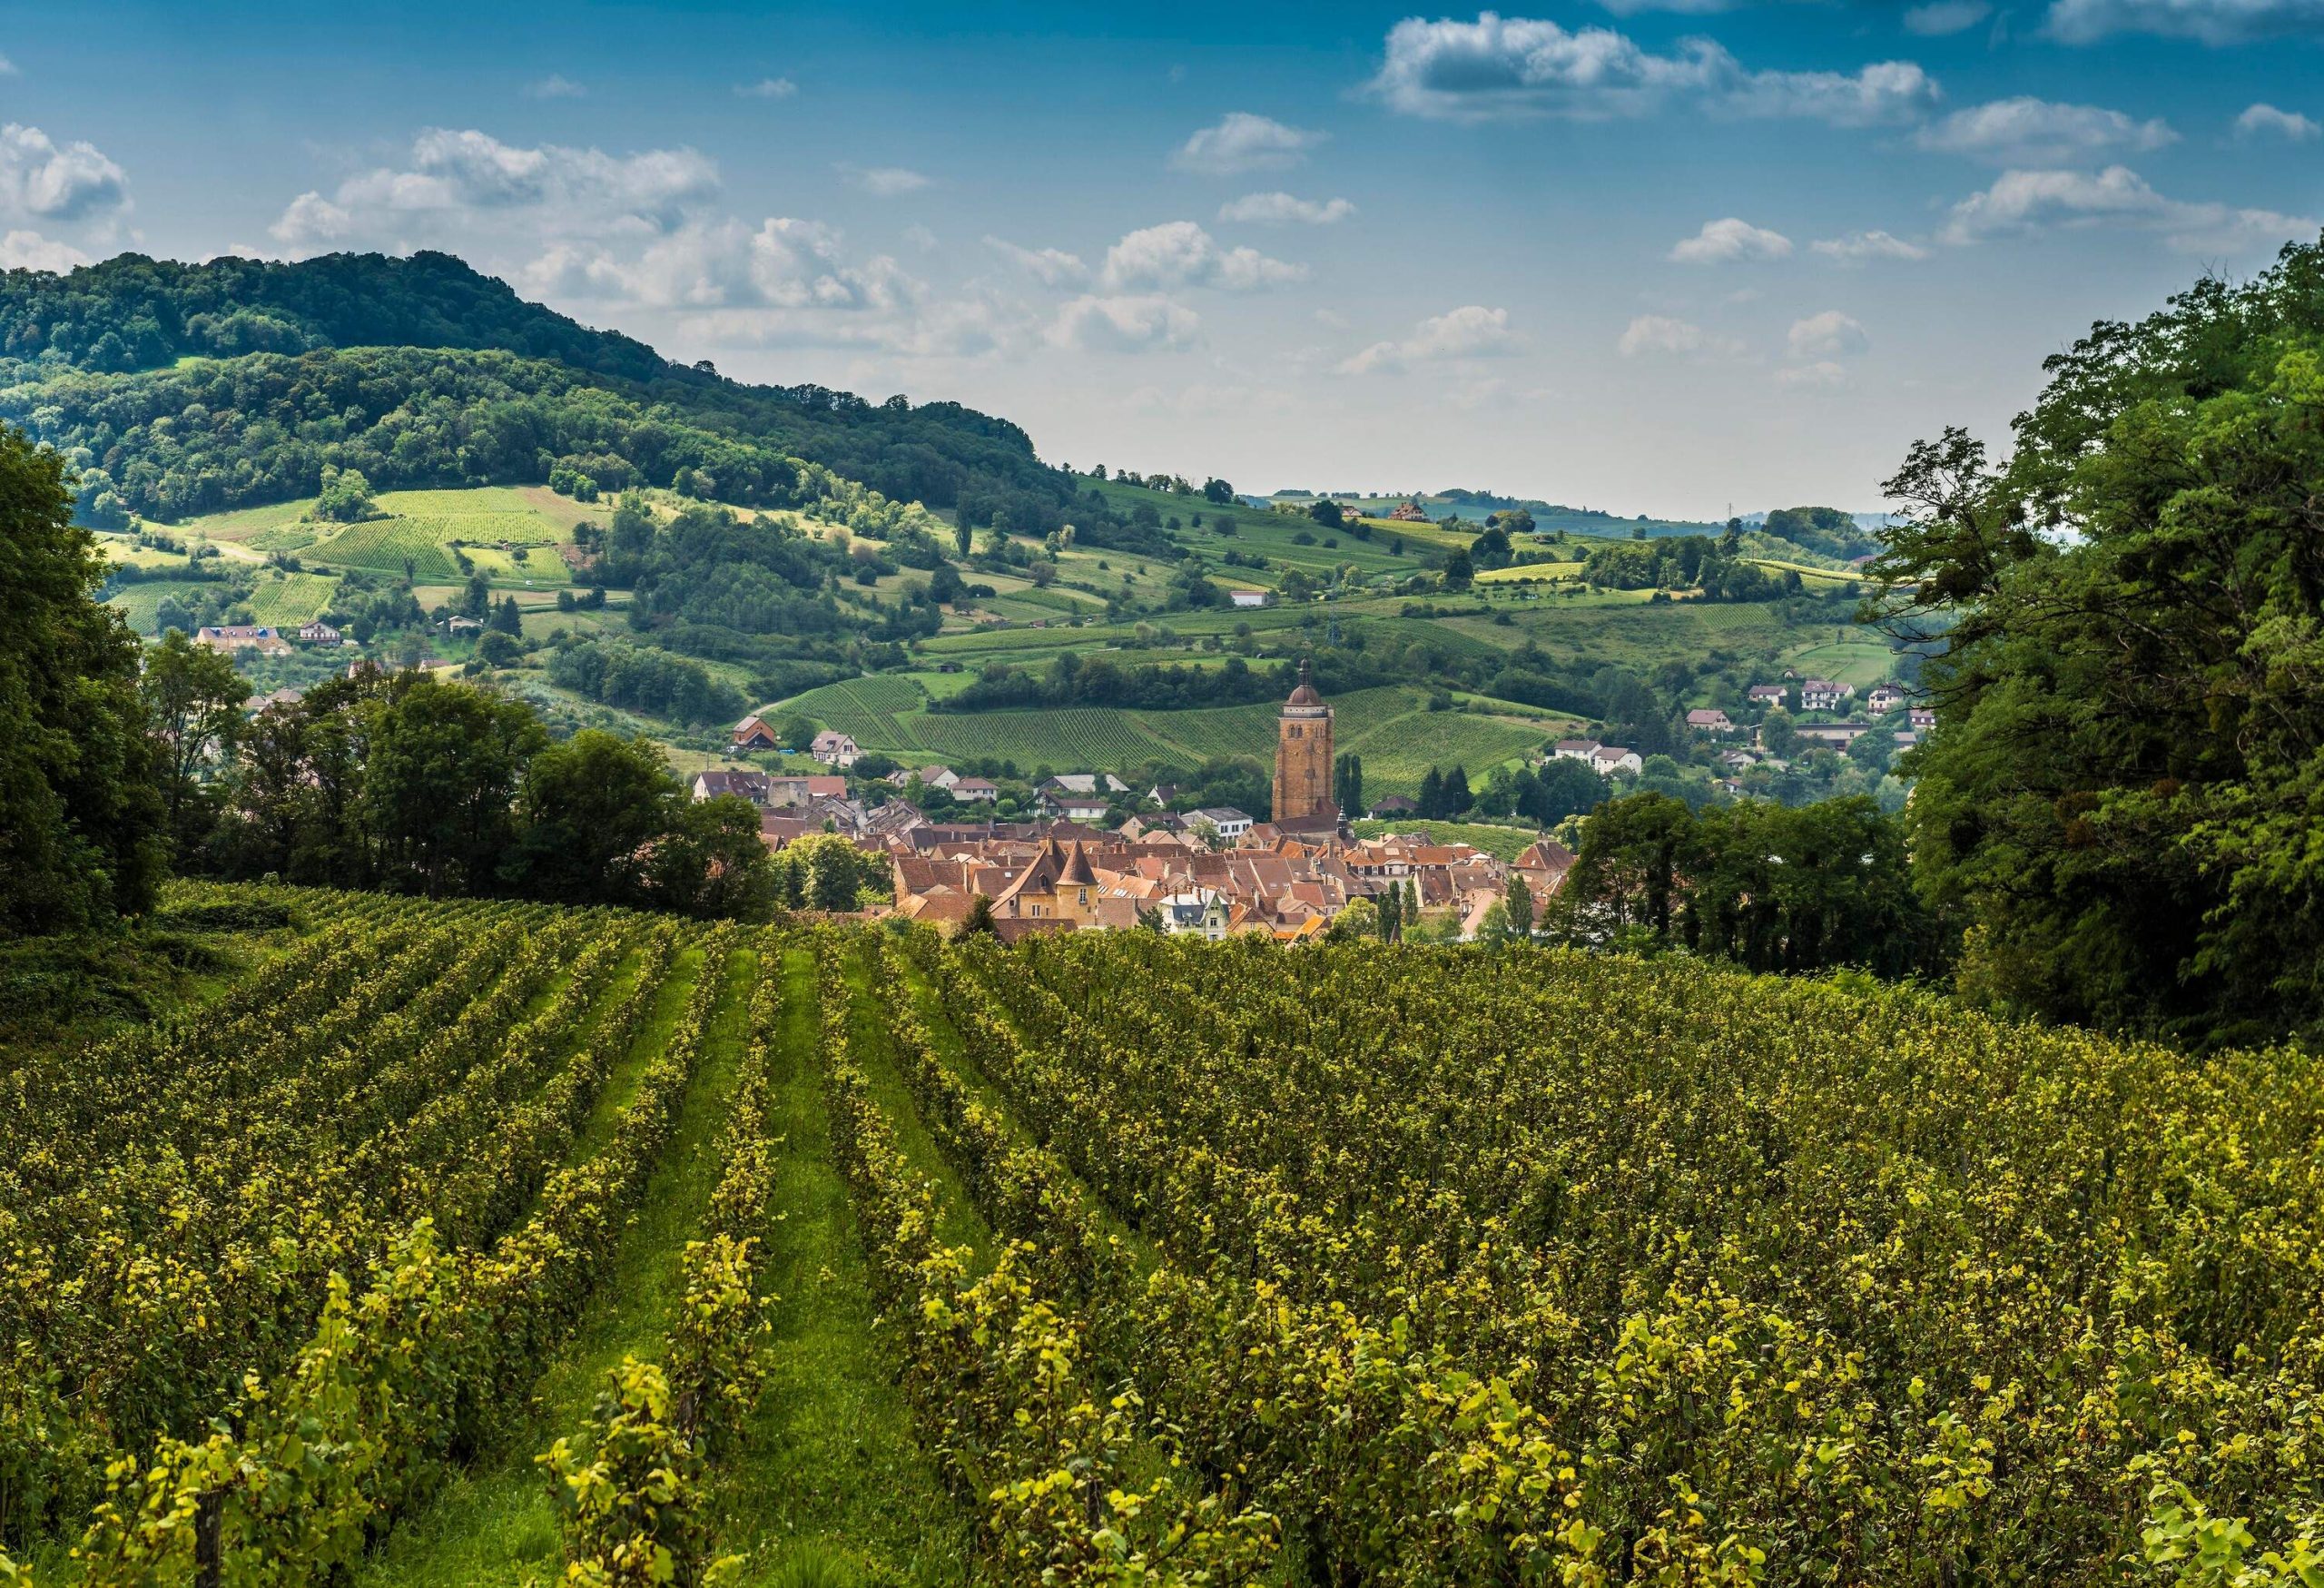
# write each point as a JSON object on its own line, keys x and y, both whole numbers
{"x": 1390, "y": 728}
{"x": 488, "y": 1242}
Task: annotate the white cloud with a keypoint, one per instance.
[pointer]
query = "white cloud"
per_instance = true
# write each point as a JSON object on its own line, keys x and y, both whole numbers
{"x": 882, "y": 181}
{"x": 2025, "y": 131}
{"x": 1243, "y": 141}
{"x": 29, "y": 251}
{"x": 2212, "y": 21}
{"x": 1823, "y": 372}
{"x": 70, "y": 182}
{"x": 555, "y": 86}
{"x": 781, "y": 264}
{"x": 1133, "y": 324}
{"x": 1179, "y": 253}
{"x": 456, "y": 179}
{"x": 1276, "y": 208}
{"x": 1828, "y": 335}
{"x": 7, "y": 68}
{"x": 2266, "y": 120}
{"x": 1660, "y": 334}
{"x": 1881, "y": 94}
{"x": 1052, "y": 266}
{"x": 2022, "y": 202}
{"x": 767, "y": 88}
{"x": 1940, "y": 17}
{"x": 921, "y": 237}
{"x": 1862, "y": 247}
{"x": 1508, "y": 68}
{"x": 1728, "y": 241}
{"x": 1469, "y": 331}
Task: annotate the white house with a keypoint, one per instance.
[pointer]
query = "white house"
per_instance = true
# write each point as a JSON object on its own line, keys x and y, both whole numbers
{"x": 1574, "y": 749}
{"x": 320, "y": 633}
{"x": 975, "y": 789}
{"x": 1823, "y": 695}
{"x": 1226, "y": 820}
{"x": 1884, "y": 699}
{"x": 834, "y": 748}
{"x": 1709, "y": 722}
{"x": 1608, "y": 759}
{"x": 1199, "y": 911}
{"x": 1247, "y": 598}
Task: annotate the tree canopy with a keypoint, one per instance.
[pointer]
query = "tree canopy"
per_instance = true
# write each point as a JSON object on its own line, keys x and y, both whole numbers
{"x": 2125, "y": 623}
{"x": 80, "y": 815}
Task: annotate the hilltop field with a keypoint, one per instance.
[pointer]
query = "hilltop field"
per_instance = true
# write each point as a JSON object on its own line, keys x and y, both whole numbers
{"x": 842, "y": 1256}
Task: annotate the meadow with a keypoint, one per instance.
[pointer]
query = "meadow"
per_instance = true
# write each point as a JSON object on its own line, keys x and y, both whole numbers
{"x": 844, "y": 1256}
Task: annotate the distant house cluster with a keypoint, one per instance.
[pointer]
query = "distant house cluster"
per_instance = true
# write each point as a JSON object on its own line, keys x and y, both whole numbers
{"x": 1603, "y": 759}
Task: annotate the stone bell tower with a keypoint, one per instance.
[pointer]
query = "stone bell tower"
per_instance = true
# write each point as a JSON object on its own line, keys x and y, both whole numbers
{"x": 1303, "y": 756}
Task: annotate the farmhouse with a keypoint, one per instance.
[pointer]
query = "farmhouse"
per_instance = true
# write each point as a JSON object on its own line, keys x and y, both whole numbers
{"x": 1574, "y": 749}
{"x": 753, "y": 733}
{"x": 1409, "y": 513}
{"x": 1608, "y": 759}
{"x": 232, "y": 637}
{"x": 743, "y": 784}
{"x": 977, "y": 790}
{"x": 319, "y": 633}
{"x": 834, "y": 748}
{"x": 1709, "y": 722}
{"x": 1823, "y": 694}
{"x": 1922, "y": 716}
{"x": 1884, "y": 699}
{"x": 1765, "y": 694}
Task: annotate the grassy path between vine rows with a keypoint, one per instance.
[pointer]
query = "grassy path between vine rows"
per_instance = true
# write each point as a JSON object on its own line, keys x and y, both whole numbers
{"x": 496, "y": 1522}
{"x": 829, "y": 1486}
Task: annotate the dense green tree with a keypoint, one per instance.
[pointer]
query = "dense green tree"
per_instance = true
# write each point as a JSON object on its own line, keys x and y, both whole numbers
{"x": 1348, "y": 784}
{"x": 193, "y": 701}
{"x": 1459, "y": 572}
{"x": 589, "y": 810}
{"x": 1520, "y": 902}
{"x": 440, "y": 782}
{"x": 80, "y": 817}
{"x": 2125, "y": 793}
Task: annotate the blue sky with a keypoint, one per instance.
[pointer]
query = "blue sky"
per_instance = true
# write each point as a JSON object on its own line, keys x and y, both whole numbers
{"x": 1656, "y": 258}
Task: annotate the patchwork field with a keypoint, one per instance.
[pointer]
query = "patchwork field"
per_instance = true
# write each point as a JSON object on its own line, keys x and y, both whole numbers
{"x": 1390, "y": 728}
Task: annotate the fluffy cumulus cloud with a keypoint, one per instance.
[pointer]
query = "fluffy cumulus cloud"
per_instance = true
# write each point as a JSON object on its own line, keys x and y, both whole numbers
{"x": 1828, "y": 335}
{"x": 2265, "y": 121}
{"x": 781, "y": 264}
{"x": 1243, "y": 141}
{"x": 1179, "y": 253}
{"x": 1469, "y": 331}
{"x": 1276, "y": 209}
{"x": 1864, "y": 247}
{"x": 1501, "y": 68}
{"x": 1941, "y": 17}
{"x": 2025, "y": 131}
{"x": 1052, "y": 266}
{"x": 2212, "y": 21}
{"x": 1662, "y": 336}
{"x": 1729, "y": 241}
{"x": 883, "y": 181}
{"x": 454, "y": 179}
{"x": 2023, "y": 202}
{"x": 1133, "y": 323}
{"x": 29, "y": 251}
{"x": 43, "y": 179}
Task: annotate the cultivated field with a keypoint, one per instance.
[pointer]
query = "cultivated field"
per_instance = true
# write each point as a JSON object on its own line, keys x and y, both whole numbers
{"x": 457, "y": 1239}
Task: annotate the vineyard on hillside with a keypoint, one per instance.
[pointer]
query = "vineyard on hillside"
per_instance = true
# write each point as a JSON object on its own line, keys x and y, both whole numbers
{"x": 490, "y": 1243}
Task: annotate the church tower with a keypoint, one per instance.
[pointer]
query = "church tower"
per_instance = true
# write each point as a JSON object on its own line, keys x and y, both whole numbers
{"x": 1303, "y": 758}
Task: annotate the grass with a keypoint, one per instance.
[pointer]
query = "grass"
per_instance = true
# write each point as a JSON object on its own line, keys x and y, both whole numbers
{"x": 829, "y": 1486}
{"x": 498, "y": 1523}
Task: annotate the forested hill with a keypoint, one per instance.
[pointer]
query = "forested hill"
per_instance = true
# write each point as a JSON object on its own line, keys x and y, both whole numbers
{"x": 93, "y": 362}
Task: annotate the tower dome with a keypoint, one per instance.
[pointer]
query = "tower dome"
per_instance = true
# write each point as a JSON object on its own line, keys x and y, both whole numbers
{"x": 1303, "y": 756}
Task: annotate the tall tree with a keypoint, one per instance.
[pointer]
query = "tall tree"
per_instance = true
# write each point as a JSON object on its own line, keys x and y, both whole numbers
{"x": 1520, "y": 900}
{"x": 193, "y": 701}
{"x": 1349, "y": 782}
{"x": 80, "y": 818}
{"x": 440, "y": 782}
{"x": 2125, "y": 791}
